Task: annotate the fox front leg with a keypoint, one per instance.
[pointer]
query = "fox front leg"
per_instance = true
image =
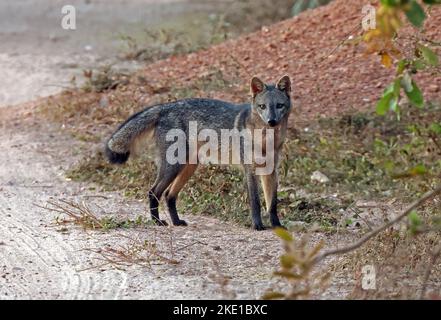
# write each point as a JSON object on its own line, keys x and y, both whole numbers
{"x": 269, "y": 186}
{"x": 253, "y": 196}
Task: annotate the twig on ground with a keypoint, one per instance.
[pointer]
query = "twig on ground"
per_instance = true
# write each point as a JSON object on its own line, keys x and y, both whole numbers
{"x": 192, "y": 244}
{"x": 95, "y": 196}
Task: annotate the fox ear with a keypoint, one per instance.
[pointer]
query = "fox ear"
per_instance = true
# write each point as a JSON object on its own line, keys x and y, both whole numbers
{"x": 284, "y": 84}
{"x": 257, "y": 86}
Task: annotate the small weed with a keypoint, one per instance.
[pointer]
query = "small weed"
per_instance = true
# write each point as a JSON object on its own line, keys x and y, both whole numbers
{"x": 297, "y": 268}
{"x": 136, "y": 251}
{"x": 103, "y": 79}
{"x": 212, "y": 81}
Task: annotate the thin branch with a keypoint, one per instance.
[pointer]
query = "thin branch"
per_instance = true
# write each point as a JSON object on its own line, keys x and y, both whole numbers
{"x": 356, "y": 26}
{"x": 96, "y": 196}
{"x": 429, "y": 195}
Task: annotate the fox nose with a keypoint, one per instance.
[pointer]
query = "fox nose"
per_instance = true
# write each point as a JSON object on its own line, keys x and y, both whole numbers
{"x": 272, "y": 123}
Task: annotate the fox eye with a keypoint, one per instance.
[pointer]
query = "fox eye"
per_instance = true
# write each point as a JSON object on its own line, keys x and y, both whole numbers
{"x": 280, "y": 106}
{"x": 262, "y": 106}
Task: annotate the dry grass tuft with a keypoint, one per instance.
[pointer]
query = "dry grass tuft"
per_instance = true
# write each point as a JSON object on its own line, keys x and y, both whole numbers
{"x": 136, "y": 251}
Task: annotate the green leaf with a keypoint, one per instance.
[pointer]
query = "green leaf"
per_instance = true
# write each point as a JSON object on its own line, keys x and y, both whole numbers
{"x": 415, "y": 171}
{"x": 401, "y": 66}
{"x": 389, "y": 165}
{"x": 283, "y": 234}
{"x": 415, "y": 221}
{"x": 393, "y": 104}
{"x": 418, "y": 170}
{"x": 429, "y": 56}
{"x": 414, "y": 218}
{"x": 383, "y": 104}
{"x": 415, "y": 95}
{"x": 287, "y": 261}
{"x": 389, "y": 100}
{"x": 406, "y": 82}
{"x": 432, "y": 1}
{"x": 396, "y": 87}
{"x": 380, "y": 143}
{"x": 436, "y": 128}
{"x": 390, "y": 3}
{"x": 419, "y": 64}
{"x": 415, "y": 14}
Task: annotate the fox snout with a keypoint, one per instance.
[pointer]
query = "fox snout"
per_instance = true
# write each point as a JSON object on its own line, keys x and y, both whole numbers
{"x": 272, "y": 123}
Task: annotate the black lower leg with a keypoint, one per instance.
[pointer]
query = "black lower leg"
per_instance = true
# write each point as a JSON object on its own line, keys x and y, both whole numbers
{"x": 253, "y": 195}
{"x": 275, "y": 222}
{"x": 171, "y": 203}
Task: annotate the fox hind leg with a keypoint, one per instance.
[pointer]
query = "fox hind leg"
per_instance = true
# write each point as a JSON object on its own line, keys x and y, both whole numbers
{"x": 172, "y": 192}
{"x": 165, "y": 176}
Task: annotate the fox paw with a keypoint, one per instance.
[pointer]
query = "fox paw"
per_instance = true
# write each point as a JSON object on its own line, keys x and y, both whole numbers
{"x": 180, "y": 223}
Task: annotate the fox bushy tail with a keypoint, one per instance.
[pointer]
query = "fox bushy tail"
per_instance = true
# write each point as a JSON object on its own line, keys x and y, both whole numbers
{"x": 120, "y": 144}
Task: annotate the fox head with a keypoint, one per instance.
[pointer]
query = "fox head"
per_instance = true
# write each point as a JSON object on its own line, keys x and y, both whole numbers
{"x": 271, "y": 102}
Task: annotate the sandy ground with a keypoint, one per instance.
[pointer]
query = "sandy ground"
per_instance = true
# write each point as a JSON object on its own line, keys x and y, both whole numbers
{"x": 38, "y": 57}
